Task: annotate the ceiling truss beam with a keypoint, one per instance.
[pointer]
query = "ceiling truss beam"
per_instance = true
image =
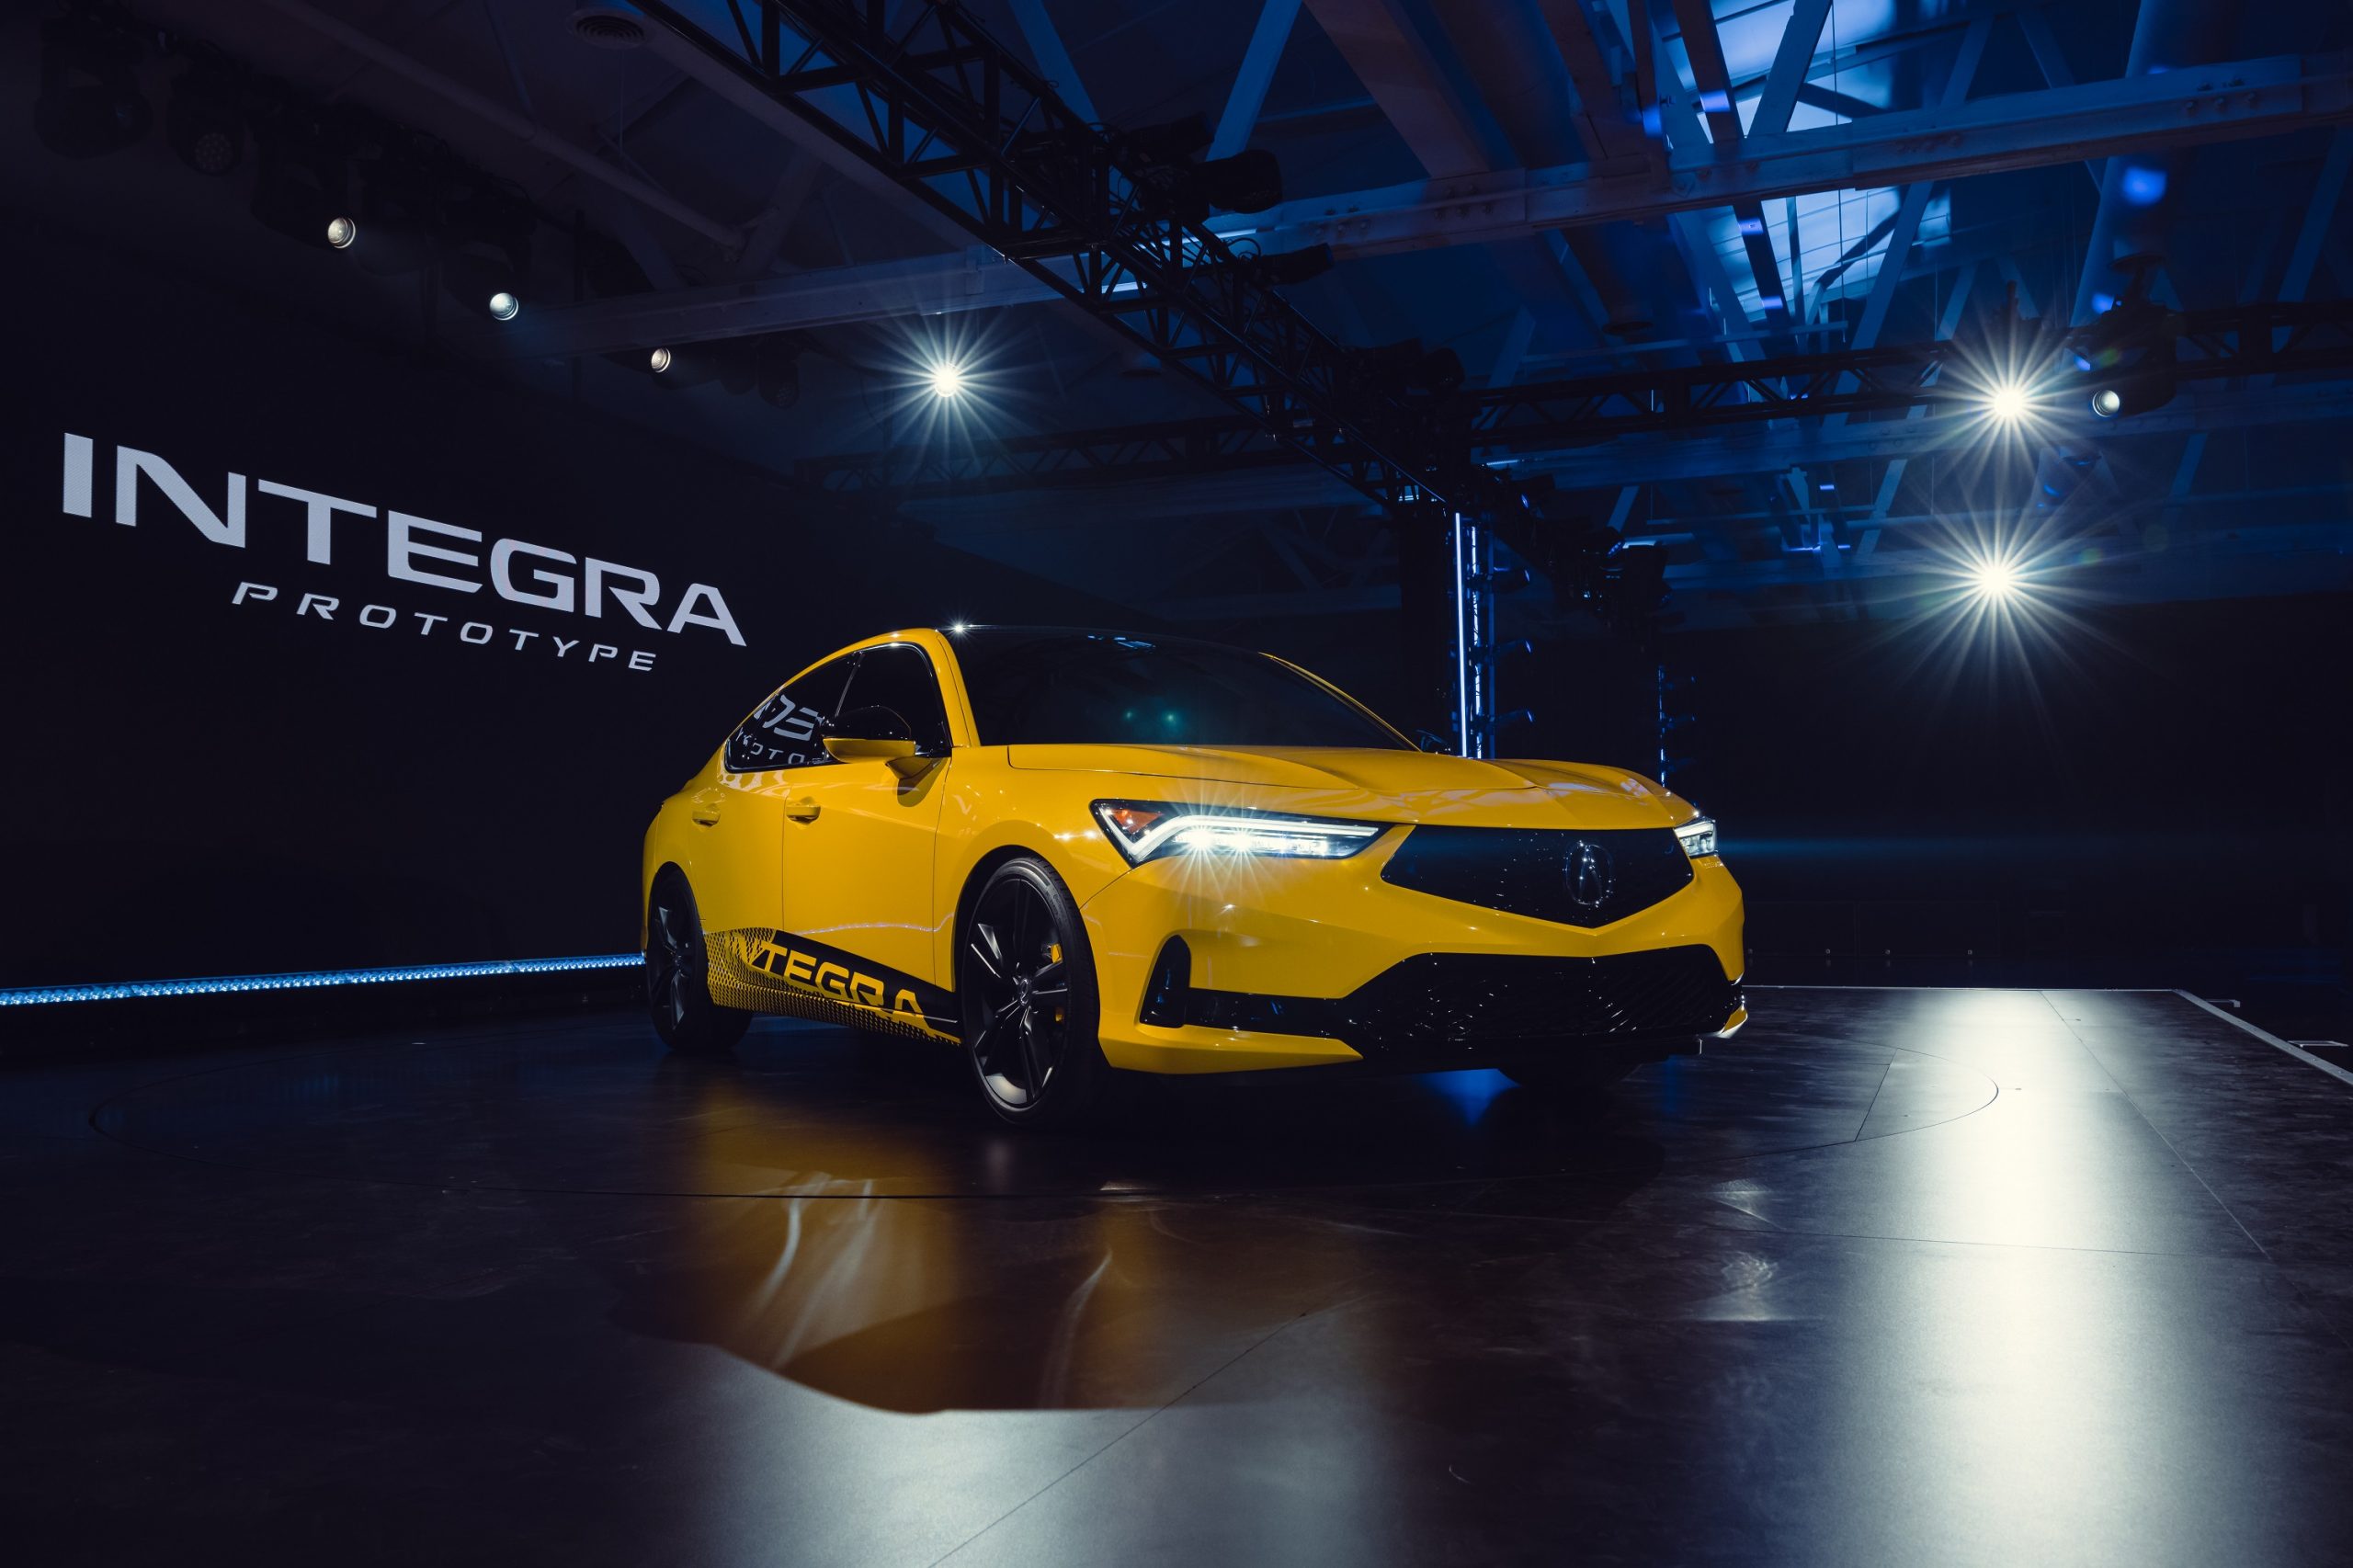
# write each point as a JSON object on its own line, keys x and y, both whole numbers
{"x": 2053, "y": 125}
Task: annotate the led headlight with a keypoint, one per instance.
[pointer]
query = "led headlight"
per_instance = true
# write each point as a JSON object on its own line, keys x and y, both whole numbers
{"x": 1699, "y": 836}
{"x": 1148, "y": 830}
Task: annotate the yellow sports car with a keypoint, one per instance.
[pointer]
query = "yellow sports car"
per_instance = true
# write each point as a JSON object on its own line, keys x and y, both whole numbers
{"x": 1075, "y": 853}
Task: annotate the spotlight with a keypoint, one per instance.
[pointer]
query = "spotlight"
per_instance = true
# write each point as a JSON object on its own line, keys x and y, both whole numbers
{"x": 1168, "y": 181}
{"x": 946, "y": 378}
{"x": 2133, "y": 394}
{"x": 679, "y": 365}
{"x": 1250, "y": 181}
{"x": 302, "y": 184}
{"x": 683, "y": 364}
{"x": 89, "y": 104}
{"x": 1994, "y": 577}
{"x": 383, "y": 242}
{"x": 2008, "y": 403}
{"x": 486, "y": 248}
{"x": 203, "y": 123}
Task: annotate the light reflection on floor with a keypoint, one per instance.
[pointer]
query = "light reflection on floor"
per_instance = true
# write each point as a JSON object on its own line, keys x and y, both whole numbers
{"x": 1895, "y": 1277}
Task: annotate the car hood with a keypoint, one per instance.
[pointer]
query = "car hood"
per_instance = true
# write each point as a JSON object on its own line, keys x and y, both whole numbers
{"x": 1395, "y": 786}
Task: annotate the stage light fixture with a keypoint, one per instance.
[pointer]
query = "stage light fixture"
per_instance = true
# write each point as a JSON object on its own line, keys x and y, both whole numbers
{"x": 2008, "y": 403}
{"x": 1250, "y": 181}
{"x": 302, "y": 183}
{"x": 2133, "y": 394}
{"x": 681, "y": 365}
{"x": 203, "y": 122}
{"x": 1994, "y": 577}
{"x": 946, "y": 378}
{"x": 341, "y": 232}
{"x": 89, "y": 103}
{"x": 484, "y": 240}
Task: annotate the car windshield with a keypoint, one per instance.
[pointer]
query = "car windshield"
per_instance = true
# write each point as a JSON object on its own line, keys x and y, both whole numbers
{"x": 1094, "y": 688}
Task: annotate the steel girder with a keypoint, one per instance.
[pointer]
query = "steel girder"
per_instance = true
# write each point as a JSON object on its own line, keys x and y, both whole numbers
{"x": 969, "y": 129}
{"x": 2014, "y": 130}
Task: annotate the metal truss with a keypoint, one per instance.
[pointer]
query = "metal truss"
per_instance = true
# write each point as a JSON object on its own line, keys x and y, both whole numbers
{"x": 961, "y": 124}
{"x": 1942, "y": 378}
{"x": 2063, "y": 123}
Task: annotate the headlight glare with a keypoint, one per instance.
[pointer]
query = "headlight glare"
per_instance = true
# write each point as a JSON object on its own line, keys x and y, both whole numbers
{"x": 1149, "y": 830}
{"x": 1699, "y": 836}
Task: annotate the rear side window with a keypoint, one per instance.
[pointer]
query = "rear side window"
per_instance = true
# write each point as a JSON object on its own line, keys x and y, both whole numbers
{"x": 898, "y": 676}
{"x": 783, "y": 732}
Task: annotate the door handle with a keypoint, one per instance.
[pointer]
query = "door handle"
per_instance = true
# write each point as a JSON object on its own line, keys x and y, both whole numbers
{"x": 802, "y": 810}
{"x": 704, "y": 808}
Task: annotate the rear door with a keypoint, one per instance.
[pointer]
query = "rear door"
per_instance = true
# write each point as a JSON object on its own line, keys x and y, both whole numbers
{"x": 859, "y": 836}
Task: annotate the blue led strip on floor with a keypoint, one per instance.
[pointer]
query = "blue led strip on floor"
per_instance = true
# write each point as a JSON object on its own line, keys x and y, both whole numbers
{"x": 307, "y": 979}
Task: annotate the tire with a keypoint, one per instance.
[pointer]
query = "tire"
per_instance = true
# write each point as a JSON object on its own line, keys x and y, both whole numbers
{"x": 677, "y": 975}
{"x": 1026, "y": 983}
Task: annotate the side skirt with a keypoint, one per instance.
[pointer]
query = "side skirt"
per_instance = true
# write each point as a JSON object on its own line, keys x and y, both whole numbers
{"x": 776, "y": 971}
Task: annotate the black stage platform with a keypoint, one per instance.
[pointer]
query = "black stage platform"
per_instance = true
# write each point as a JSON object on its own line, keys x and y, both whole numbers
{"x": 1895, "y": 1277}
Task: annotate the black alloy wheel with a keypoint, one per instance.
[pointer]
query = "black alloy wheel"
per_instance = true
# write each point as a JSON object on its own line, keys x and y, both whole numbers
{"x": 1026, "y": 978}
{"x": 677, "y": 974}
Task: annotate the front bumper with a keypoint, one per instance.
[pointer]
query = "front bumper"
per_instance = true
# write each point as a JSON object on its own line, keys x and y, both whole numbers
{"x": 1297, "y": 963}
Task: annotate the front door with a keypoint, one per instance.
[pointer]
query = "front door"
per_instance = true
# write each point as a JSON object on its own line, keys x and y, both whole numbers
{"x": 859, "y": 842}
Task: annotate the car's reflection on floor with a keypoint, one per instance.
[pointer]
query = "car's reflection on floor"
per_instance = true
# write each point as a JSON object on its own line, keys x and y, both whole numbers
{"x": 1896, "y": 1276}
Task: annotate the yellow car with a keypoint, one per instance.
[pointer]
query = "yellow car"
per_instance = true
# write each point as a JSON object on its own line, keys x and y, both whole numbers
{"x": 1076, "y": 854}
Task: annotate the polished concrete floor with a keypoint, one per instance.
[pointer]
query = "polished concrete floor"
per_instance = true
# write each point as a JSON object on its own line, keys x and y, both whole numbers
{"x": 1897, "y": 1276}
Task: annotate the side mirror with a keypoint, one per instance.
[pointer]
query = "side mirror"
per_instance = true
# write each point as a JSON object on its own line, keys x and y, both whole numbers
{"x": 871, "y": 734}
{"x": 1428, "y": 741}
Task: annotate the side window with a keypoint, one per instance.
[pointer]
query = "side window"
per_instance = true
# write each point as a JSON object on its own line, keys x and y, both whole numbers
{"x": 898, "y": 676}
{"x": 782, "y": 732}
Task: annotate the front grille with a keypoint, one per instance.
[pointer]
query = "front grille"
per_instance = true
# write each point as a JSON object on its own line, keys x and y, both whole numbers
{"x": 1464, "y": 1007}
{"x": 1573, "y": 878}
{"x": 1474, "y": 998}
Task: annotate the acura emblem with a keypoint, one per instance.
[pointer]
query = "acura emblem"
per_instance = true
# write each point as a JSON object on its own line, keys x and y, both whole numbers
{"x": 1588, "y": 875}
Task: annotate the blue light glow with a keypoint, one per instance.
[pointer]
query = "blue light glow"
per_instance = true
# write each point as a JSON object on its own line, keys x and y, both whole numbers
{"x": 305, "y": 979}
{"x": 2144, "y": 186}
{"x": 1470, "y": 1091}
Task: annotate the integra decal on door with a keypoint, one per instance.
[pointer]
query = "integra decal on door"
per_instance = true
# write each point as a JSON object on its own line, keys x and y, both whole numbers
{"x": 776, "y": 971}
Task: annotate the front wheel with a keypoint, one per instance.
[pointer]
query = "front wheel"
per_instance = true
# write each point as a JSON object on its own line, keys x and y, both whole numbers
{"x": 677, "y": 975}
{"x": 1026, "y": 979}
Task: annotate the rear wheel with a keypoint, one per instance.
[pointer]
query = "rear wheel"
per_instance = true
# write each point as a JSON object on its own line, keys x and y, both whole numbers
{"x": 677, "y": 974}
{"x": 1026, "y": 979}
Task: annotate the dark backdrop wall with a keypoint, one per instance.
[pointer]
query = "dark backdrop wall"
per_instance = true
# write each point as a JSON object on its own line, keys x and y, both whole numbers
{"x": 2080, "y": 793}
{"x": 205, "y": 777}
